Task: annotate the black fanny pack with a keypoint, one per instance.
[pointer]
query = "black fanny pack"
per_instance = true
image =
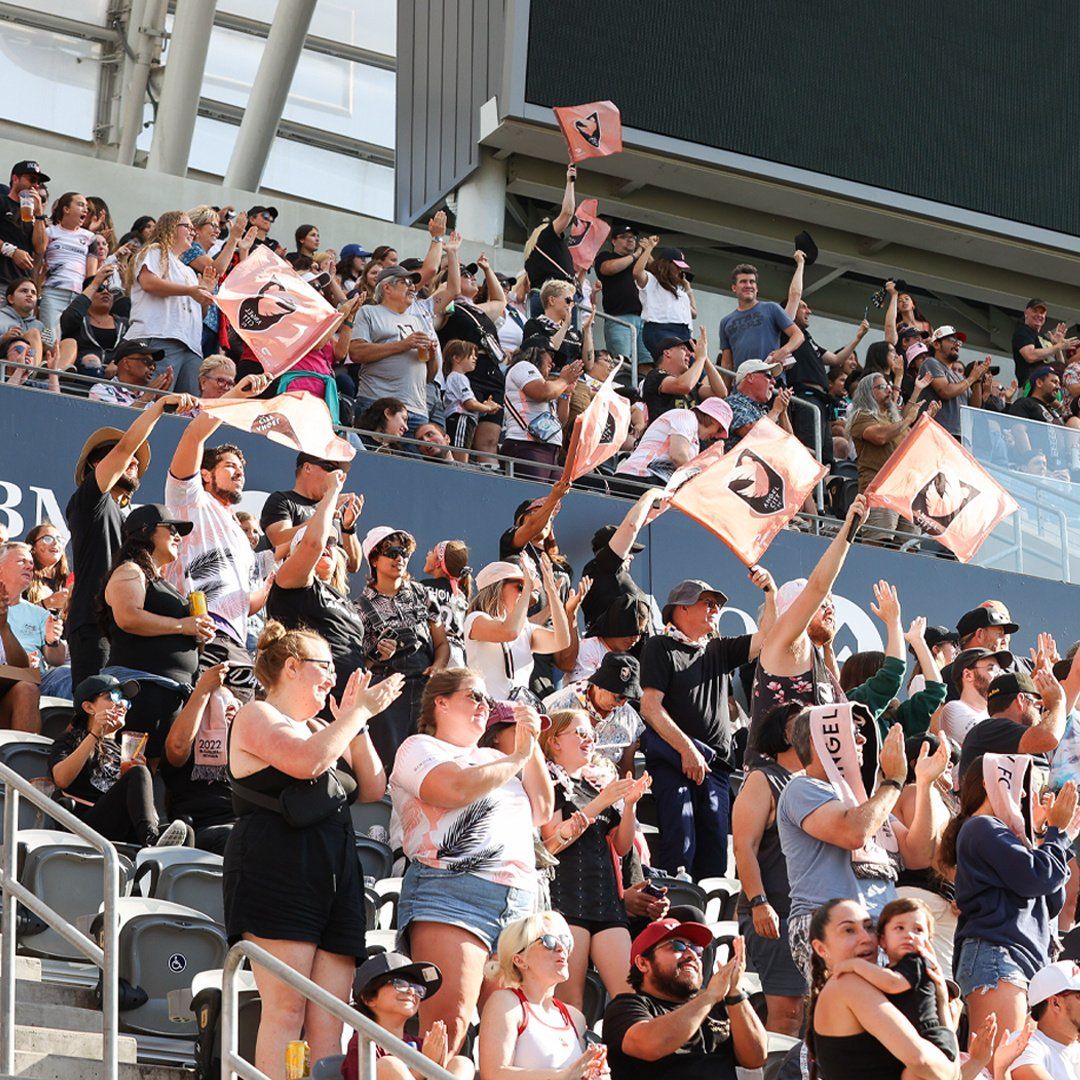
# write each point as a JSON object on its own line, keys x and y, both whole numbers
{"x": 303, "y": 804}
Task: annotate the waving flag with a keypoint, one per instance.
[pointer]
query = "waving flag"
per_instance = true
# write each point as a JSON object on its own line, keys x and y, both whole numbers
{"x": 277, "y": 313}
{"x": 938, "y": 486}
{"x": 593, "y": 130}
{"x": 748, "y": 494}
{"x": 296, "y": 419}
{"x": 598, "y": 432}
{"x": 587, "y": 235}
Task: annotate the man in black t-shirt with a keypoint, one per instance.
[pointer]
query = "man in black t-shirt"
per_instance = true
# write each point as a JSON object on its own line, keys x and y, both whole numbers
{"x": 106, "y": 477}
{"x": 688, "y": 747}
{"x": 1039, "y": 404}
{"x": 548, "y": 256}
{"x": 1031, "y": 347}
{"x": 285, "y": 512}
{"x": 18, "y": 238}
{"x": 675, "y": 1026}
{"x": 674, "y": 382}
{"x": 615, "y": 269}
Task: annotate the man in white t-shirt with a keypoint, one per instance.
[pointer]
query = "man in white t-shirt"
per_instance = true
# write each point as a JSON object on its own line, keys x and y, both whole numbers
{"x": 972, "y": 673}
{"x": 1053, "y": 1051}
{"x": 675, "y": 437}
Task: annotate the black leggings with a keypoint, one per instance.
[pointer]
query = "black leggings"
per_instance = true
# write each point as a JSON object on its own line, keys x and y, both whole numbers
{"x": 125, "y": 813}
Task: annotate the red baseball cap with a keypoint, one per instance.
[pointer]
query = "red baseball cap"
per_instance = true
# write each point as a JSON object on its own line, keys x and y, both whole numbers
{"x": 664, "y": 929}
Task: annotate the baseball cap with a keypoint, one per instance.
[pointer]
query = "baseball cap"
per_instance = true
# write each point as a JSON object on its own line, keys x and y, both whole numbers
{"x": 150, "y": 517}
{"x": 355, "y": 251}
{"x": 788, "y": 593}
{"x": 970, "y": 657}
{"x": 716, "y": 409}
{"x": 690, "y": 592}
{"x": 752, "y": 367}
{"x": 665, "y": 929}
{"x": 622, "y": 228}
{"x": 915, "y": 350}
{"x": 89, "y": 689}
{"x": 270, "y": 211}
{"x": 138, "y": 347}
{"x": 29, "y": 168}
{"x": 524, "y": 507}
{"x": 602, "y": 537}
{"x": 981, "y": 618}
{"x": 502, "y": 712}
{"x": 993, "y": 370}
{"x": 1038, "y": 373}
{"x": 1034, "y": 303}
{"x": 1053, "y": 979}
{"x": 411, "y": 264}
{"x": 396, "y": 966}
{"x": 938, "y": 635}
{"x": 392, "y": 273}
{"x": 496, "y": 572}
{"x": 947, "y": 331}
{"x": 618, "y": 673}
{"x": 672, "y": 254}
{"x": 911, "y": 331}
{"x": 1008, "y": 686}
{"x": 671, "y": 341}
{"x": 374, "y": 537}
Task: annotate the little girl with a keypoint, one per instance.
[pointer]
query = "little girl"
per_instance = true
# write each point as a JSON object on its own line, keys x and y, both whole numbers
{"x": 462, "y": 406}
{"x": 913, "y": 979}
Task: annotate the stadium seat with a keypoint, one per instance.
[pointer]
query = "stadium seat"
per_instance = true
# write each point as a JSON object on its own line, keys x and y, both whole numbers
{"x": 369, "y": 818}
{"x": 389, "y": 892}
{"x": 646, "y": 809}
{"x": 28, "y": 755}
{"x": 371, "y": 907}
{"x": 328, "y": 1068}
{"x": 721, "y": 897}
{"x": 184, "y": 876}
{"x": 595, "y": 1000}
{"x": 376, "y": 858}
{"x": 161, "y": 947}
{"x": 682, "y": 892}
{"x": 779, "y": 1048}
{"x": 379, "y": 941}
{"x": 56, "y": 714}
{"x": 206, "y": 1008}
{"x": 65, "y": 872}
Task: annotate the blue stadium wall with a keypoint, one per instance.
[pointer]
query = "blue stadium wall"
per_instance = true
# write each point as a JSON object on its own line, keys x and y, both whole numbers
{"x": 41, "y": 434}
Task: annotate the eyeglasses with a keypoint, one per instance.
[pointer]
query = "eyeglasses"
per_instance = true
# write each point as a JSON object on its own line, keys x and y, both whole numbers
{"x": 48, "y": 540}
{"x": 476, "y": 697}
{"x": 173, "y": 530}
{"x": 222, "y": 381}
{"x": 184, "y": 225}
{"x": 551, "y": 942}
{"x": 584, "y": 734}
{"x": 401, "y": 985}
{"x": 326, "y": 665}
{"x": 117, "y": 698}
{"x": 678, "y": 946}
{"x": 394, "y": 551}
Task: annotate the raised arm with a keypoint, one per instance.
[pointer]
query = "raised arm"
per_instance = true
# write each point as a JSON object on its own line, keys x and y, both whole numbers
{"x": 891, "y": 335}
{"x": 486, "y": 628}
{"x": 558, "y": 637}
{"x": 566, "y": 211}
{"x": 298, "y": 569}
{"x": 452, "y": 287}
{"x": 624, "y": 537}
{"x": 527, "y": 532}
{"x": 187, "y": 458}
{"x": 642, "y": 261}
{"x": 795, "y": 289}
{"x": 111, "y": 467}
{"x": 433, "y": 259}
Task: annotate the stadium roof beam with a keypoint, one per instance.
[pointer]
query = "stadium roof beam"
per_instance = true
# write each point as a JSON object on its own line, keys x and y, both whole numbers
{"x": 269, "y": 91}
{"x": 58, "y": 24}
{"x": 145, "y": 32}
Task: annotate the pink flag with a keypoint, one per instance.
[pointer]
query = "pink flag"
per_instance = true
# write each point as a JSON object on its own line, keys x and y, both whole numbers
{"x": 931, "y": 480}
{"x": 295, "y": 419}
{"x": 278, "y": 314}
{"x": 598, "y": 432}
{"x": 748, "y": 494}
{"x": 587, "y": 235}
{"x": 593, "y": 130}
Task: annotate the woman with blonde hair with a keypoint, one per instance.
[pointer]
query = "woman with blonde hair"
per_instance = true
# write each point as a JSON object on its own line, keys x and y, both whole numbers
{"x": 217, "y": 376}
{"x": 168, "y": 299}
{"x": 293, "y": 777}
{"x": 526, "y": 1032}
{"x": 206, "y": 231}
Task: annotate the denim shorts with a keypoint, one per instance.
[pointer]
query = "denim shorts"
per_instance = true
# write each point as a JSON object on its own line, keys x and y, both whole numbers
{"x": 981, "y": 965}
{"x": 473, "y": 903}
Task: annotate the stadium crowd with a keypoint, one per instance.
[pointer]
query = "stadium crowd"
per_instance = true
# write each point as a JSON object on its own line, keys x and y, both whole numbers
{"x": 902, "y": 830}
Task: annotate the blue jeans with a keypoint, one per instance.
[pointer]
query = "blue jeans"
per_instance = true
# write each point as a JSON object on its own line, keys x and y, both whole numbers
{"x": 694, "y": 820}
{"x": 655, "y": 332}
{"x": 618, "y": 338}
{"x": 184, "y": 362}
{"x": 53, "y": 303}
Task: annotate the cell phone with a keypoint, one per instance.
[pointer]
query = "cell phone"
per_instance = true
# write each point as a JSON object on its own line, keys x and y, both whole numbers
{"x": 654, "y": 890}
{"x": 239, "y": 675}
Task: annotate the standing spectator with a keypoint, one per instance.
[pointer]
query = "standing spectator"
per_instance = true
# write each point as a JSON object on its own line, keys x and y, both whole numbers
{"x": 70, "y": 254}
{"x": 535, "y": 407}
{"x": 467, "y": 817}
{"x": 765, "y": 896}
{"x": 547, "y": 255}
{"x": 667, "y": 301}
{"x": 90, "y": 331}
{"x": 350, "y": 266}
{"x": 675, "y": 438}
{"x": 464, "y": 410}
{"x": 554, "y": 327}
{"x": 50, "y": 587}
{"x": 39, "y": 631}
{"x": 20, "y": 239}
{"x": 756, "y": 396}
{"x": 107, "y": 475}
{"x": 676, "y": 1023}
{"x": 676, "y": 381}
{"x": 615, "y": 269}
{"x": 949, "y": 388}
{"x": 450, "y": 585}
{"x": 206, "y": 229}
{"x": 168, "y": 298}
{"x": 971, "y": 673}
{"x": 278, "y": 848}
{"x": 617, "y": 630}
{"x": 1031, "y": 348}
{"x": 262, "y": 219}
{"x": 685, "y": 703}
{"x": 402, "y": 632}
{"x": 1053, "y": 1051}
{"x": 151, "y": 635}
{"x": 756, "y": 329}
{"x": 136, "y": 378}
{"x": 500, "y": 641}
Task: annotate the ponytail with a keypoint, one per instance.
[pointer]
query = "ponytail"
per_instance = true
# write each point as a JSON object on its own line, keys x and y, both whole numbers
{"x": 972, "y": 796}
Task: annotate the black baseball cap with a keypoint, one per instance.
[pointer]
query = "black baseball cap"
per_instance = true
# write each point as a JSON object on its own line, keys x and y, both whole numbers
{"x": 602, "y": 537}
{"x": 138, "y": 347}
{"x": 411, "y": 264}
{"x": 29, "y": 168}
{"x": 1008, "y": 686}
{"x": 981, "y": 618}
{"x": 618, "y": 673}
{"x": 270, "y": 211}
{"x": 89, "y": 689}
{"x": 393, "y": 965}
{"x": 150, "y": 517}
{"x": 993, "y": 370}
{"x": 622, "y": 228}
{"x": 969, "y": 657}
{"x": 939, "y": 635}
{"x": 1034, "y": 303}
{"x": 671, "y": 341}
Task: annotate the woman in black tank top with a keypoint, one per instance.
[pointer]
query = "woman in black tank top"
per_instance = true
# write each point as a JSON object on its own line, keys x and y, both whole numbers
{"x": 853, "y": 1031}
{"x": 292, "y": 881}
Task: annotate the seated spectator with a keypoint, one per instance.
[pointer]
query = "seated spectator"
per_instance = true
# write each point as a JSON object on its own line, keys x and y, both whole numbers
{"x": 1040, "y": 402}
{"x": 18, "y": 316}
{"x": 152, "y": 638}
{"x": 676, "y": 437}
{"x": 525, "y": 1030}
{"x": 668, "y": 308}
{"x": 85, "y": 765}
{"x": 677, "y": 380}
{"x": 463, "y": 409}
{"x": 450, "y": 584}
{"x": 90, "y": 330}
{"x": 168, "y": 299}
{"x": 949, "y": 387}
{"x": 1026, "y": 715}
{"x": 217, "y": 376}
{"x": 50, "y": 586}
{"x": 535, "y": 409}
{"x": 194, "y": 766}
{"x": 1053, "y": 1049}
{"x": 466, "y": 817}
{"x": 756, "y": 328}
{"x": 38, "y": 630}
{"x": 1031, "y": 348}
{"x": 547, "y": 254}
{"x": 386, "y": 416}
{"x": 1009, "y": 888}
{"x": 756, "y": 396}
{"x": 765, "y": 897}
{"x": 350, "y": 267}
{"x": 136, "y": 362}
{"x": 500, "y": 641}
{"x": 617, "y": 630}
{"x": 277, "y": 849}
{"x": 605, "y": 698}
{"x": 435, "y": 443}
{"x": 585, "y": 889}
{"x": 70, "y": 255}
{"x": 402, "y": 632}
{"x": 677, "y": 1023}
{"x": 20, "y": 350}
{"x": 556, "y": 324}
{"x": 388, "y": 988}
{"x": 18, "y": 699}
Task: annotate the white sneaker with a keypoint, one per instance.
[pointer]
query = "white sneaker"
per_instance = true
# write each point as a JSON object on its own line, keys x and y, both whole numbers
{"x": 175, "y": 835}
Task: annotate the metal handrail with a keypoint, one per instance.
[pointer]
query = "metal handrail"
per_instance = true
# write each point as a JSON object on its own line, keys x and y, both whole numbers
{"x": 370, "y": 1033}
{"x": 619, "y": 322}
{"x": 14, "y": 893}
{"x": 70, "y": 374}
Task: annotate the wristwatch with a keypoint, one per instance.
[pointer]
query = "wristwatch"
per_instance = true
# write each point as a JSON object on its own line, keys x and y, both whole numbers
{"x": 735, "y": 999}
{"x": 757, "y": 901}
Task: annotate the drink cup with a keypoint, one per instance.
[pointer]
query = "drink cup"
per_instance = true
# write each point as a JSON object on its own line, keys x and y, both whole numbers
{"x": 26, "y": 206}
{"x": 131, "y": 749}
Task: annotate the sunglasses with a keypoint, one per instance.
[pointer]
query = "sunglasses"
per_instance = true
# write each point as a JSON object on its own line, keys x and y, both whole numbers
{"x": 678, "y": 946}
{"x": 173, "y": 530}
{"x": 551, "y": 942}
{"x": 584, "y": 734}
{"x": 329, "y": 466}
{"x": 401, "y": 985}
{"x": 476, "y": 697}
{"x": 48, "y": 540}
{"x": 117, "y": 698}
{"x": 395, "y": 551}
{"x": 326, "y": 665}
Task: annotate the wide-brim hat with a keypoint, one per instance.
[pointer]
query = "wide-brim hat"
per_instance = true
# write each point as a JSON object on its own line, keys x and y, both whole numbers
{"x": 104, "y": 436}
{"x": 394, "y": 965}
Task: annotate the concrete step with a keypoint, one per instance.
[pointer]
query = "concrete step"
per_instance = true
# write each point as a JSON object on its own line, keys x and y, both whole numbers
{"x": 45, "y": 1054}
{"x": 58, "y": 1017}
